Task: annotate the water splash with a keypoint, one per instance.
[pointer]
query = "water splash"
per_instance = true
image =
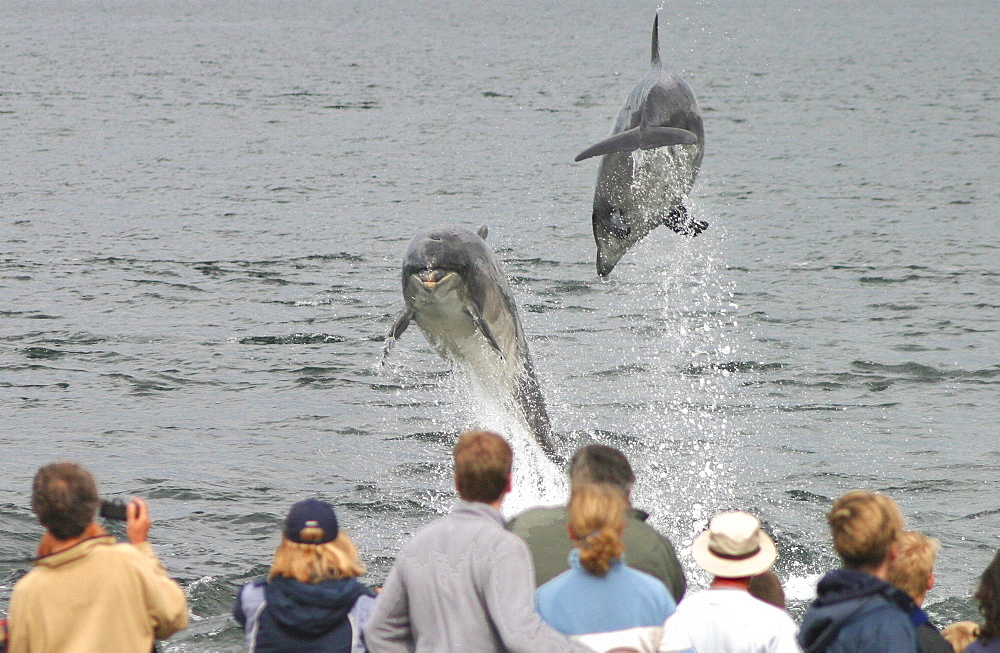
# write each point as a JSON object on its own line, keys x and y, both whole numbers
{"x": 463, "y": 403}
{"x": 687, "y": 432}
{"x": 537, "y": 480}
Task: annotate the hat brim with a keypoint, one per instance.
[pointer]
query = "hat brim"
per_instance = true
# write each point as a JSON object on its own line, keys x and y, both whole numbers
{"x": 727, "y": 568}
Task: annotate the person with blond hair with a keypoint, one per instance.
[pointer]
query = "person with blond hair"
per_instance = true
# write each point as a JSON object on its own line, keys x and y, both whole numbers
{"x": 600, "y": 601}
{"x": 988, "y": 596}
{"x": 913, "y": 572}
{"x": 311, "y": 599}
{"x": 464, "y": 582}
{"x": 856, "y": 609}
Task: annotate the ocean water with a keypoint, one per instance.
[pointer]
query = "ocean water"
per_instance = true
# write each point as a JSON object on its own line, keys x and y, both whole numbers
{"x": 204, "y": 207}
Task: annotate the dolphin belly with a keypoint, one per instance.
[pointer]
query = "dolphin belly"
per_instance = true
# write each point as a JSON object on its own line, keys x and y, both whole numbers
{"x": 446, "y": 321}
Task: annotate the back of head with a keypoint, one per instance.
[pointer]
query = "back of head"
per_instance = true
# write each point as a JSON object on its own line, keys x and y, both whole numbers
{"x": 483, "y": 463}
{"x": 911, "y": 570}
{"x": 766, "y": 586}
{"x": 988, "y": 595}
{"x": 314, "y": 563}
{"x": 313, "y": 548}
{"x": 64, "y": 498}
{"x": 599, "y": 463}
{"x": 596, "y": 521}
{"x": 864, "y": 526}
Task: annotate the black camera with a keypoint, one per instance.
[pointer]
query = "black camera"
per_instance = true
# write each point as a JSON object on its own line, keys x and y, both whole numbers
{"x": 114, "y": 510}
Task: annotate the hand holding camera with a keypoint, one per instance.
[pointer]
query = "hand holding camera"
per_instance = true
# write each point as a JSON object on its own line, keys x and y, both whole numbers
{"x": 135, "y": 514}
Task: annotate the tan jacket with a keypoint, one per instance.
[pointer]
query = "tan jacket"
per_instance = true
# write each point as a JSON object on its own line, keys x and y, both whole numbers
{"x": 95, "y": 596}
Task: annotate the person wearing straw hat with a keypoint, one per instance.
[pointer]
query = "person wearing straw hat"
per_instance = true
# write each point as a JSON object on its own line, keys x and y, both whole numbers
{"x": 726, "y": 618}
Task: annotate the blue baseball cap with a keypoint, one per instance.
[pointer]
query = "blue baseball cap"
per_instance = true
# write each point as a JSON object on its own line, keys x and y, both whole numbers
{"x": 311, "y": 513}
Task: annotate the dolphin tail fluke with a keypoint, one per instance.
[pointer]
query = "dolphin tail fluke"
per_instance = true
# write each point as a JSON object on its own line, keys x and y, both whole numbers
{"x": 639, "y": 138}
{"x": 654, "y": 56}
{"x": 680, "y": 221}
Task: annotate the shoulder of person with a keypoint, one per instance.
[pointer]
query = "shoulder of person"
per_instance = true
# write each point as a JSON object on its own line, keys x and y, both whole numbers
{"x": 538, "y": 515}
{"x": 637, "y": 527}
{"x": 645, "y": 579}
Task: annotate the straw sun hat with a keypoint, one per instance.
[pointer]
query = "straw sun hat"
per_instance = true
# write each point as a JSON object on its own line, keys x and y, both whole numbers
{"x": 734, "y": 546}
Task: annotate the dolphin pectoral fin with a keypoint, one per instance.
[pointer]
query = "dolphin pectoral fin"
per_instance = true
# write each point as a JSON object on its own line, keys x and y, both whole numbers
{"x": 482, "y": 231}
{"x": 625, "y": 141}
{"x": 398, "y": 327}
{"x": 681, "y": 222}
{"x": 653, "y": 137}
{"x": 484, "y": 328}
{"x": 644, "y": 138}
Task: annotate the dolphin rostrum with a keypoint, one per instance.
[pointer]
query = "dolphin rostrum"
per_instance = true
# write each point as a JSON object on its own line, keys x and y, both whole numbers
{"x": 457, "y": 294}
{"x": 638, "y": 191}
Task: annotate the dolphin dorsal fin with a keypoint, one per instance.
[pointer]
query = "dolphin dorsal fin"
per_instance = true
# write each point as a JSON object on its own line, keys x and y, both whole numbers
{"x": 654, "y": 56}
{"x": 482, "y": 230}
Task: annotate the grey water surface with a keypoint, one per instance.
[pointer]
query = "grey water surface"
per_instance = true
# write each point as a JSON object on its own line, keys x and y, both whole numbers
{"x": 203, "y": 208}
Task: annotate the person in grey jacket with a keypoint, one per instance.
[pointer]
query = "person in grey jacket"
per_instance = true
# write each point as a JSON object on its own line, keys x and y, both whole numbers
{"x": 544, "y": 529}
{"x": 463, "y": 582}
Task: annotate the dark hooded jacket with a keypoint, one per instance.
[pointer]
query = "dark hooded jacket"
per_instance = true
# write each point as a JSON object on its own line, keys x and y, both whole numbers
{"x": 857, "y": 612}
{"x": 287, "y": 615}
{"x": 928, "y": 635}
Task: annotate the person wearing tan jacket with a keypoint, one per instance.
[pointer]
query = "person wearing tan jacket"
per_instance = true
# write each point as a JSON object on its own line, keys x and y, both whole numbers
{"x": 86, "y": 592}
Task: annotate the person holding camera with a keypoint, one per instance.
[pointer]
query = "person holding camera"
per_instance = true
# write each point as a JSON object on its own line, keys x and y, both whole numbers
{"x": 86, "y": 592}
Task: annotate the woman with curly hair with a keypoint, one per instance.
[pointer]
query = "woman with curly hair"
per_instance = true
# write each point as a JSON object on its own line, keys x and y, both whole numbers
{"x": 600, "y": 601}
{"x": 311, "y": 599}
{"x": 988, "y": 595}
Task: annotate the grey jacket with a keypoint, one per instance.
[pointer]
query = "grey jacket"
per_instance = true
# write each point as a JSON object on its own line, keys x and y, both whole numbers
{"x": 462, "y": 583}
{"x": 544, "y": 530}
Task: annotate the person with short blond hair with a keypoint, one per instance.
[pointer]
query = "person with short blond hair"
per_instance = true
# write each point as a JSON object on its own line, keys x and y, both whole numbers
{"x": 856, "y": 610}
{"x": 311, "y": 598}
{"x": 913, "y": 572}
{"x": 463, "y": 582}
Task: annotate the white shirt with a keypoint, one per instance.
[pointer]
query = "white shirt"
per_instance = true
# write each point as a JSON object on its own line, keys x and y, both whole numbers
{"x": 725, "y": 620}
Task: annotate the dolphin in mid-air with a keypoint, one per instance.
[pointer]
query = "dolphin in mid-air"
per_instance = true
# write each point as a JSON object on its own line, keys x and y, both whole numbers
{"x": 639, "y": 190}
{"x": 457, "y": 294}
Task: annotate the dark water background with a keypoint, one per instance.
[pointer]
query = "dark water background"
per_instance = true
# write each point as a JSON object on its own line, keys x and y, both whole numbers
{"x": 203, "y": 207}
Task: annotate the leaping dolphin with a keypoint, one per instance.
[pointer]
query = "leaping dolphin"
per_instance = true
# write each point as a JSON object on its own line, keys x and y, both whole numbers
{"x": 459, "y": 297}
{"x": 637, "y": 192}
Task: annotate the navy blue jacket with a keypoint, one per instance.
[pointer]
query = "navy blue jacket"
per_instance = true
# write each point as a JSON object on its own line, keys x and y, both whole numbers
{"x": 928, "y": 635}
{"x": 857, "y": 612}
{"x": 287, "y": 615}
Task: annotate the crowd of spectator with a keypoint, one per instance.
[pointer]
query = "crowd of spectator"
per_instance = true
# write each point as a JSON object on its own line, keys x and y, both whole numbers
{"x": 589, "y": 576}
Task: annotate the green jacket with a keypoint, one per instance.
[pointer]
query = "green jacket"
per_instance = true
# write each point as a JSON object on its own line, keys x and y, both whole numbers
{"x": 544, "y": 530}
